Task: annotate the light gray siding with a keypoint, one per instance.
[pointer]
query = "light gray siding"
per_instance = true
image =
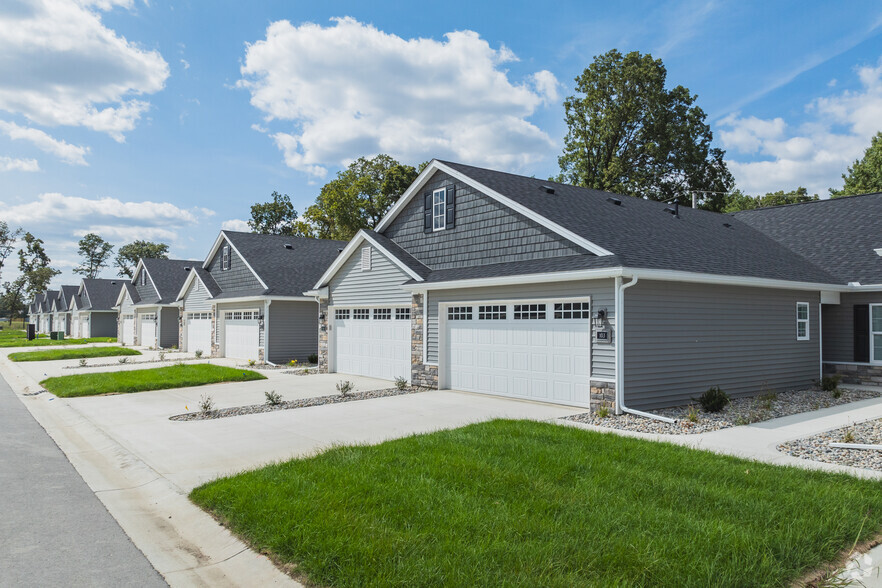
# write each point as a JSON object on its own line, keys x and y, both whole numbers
{"x": 103, "y": 324}
{"x": 197, "y": 300}
{"x": 238, "y": 277}
{"x": 838, "y": 327}
{"x": 680, "y": 339}
{"x": 126, "y": 306}
{"x": 293, "y": 331}
{"x": 379, "y": 285}
{"x": 484, "y": 232}
{"x": 600, "y": 291}
{"x": 168, "y": 325}
{"x": 147, "y": 292}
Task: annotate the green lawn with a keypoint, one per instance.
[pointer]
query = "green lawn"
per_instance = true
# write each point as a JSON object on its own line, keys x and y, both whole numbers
{"x": 82, "y": 353}
{"x": 16, "y": 338}
{"x": 537, "y": 504}
{"x": 174, "y": 376}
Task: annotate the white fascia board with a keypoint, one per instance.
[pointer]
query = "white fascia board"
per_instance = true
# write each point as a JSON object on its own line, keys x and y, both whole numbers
{"x": 322, "y": 293}
{"x": 347, "y": 252}
{"x": 699, "y": 278}
{"x": 193, "y": 275}
{"x": 512, "y": 280}
{"x": 517, "y": 207}
{"x": 217, "y": 243}
{"x": 264, "y": 298}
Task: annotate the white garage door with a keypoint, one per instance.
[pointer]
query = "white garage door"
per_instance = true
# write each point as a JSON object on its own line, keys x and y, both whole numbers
{"x": 372, "y": 342}
{"x": 75, "y": 328}
{"x": 199, "y": 332}
{"x": 241, "y": 334}
{"x": 148, "y": 330}
{"x": 128, "y": 329}
{"x": 531, "y": 350}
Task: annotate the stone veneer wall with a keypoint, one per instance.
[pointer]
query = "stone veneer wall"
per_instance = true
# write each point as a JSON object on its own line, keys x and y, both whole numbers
{"x": 420, "y": 373}
{"x": 603, "y": 394}
{"x": 215, "y": 349}
{"x": 323, "y": 337}
{"x": 856, "y": 374}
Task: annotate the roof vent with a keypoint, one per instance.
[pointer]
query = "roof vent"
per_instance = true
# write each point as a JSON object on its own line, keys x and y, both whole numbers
{"x": 547, "y": 189}
{"x": 288, "y": 246}
{"x": 615, "y": 201}
{"x": 113, "y": 283}
{"x": 675, "y": 210}
{"x": 187, "y": 268}
{"x": 727, "y": 225}
{"x": 339, "y": 250}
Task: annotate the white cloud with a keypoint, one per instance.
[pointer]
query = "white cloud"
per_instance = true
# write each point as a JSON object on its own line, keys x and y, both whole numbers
{"x": 185, "y": 63}
{"x": 352, "y": 90}
{"x": 59, "y": 65}
{"x": 813, "y": 154}
{"x": 55, "y": 207}
{"x": 73, "y": 154}
{"x": 129, "y": 233}
{"x": 235, "y": 224}
{"x": 15, "y": 164}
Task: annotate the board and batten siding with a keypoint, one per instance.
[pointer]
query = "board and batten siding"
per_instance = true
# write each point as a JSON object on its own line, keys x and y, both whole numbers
{"x": 381, "y": 284}
{"x": 293, "y": 331}
{"x": 681, "y": 339}
{"x": 601, "y": 293}
{"x": 168, "y": 326}
{"x": 484, "y": 232}
{"x": 238, "y": 277}
{"x": 838, "y": 327}
{"x": 197, "y": 299}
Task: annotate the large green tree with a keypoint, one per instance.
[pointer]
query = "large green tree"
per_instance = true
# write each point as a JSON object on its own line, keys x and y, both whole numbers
{"x": 276, "y": 217}
{"x": 738, "y": 200}
{"x": 357, "y": 198}
{"x": 865, "y": 175}
{"x": 8, "y": 237}
{"x": 95, "y": 253}
{"x": 12, "y": 300}
{"x": 128, "y": 255}
{"x": 33, "y": 263}
{"x": 627, "y": 133}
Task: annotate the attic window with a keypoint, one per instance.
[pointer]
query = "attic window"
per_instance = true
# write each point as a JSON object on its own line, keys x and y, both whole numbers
{"x": 225, "y": 260}
{"x": 143, "y": 278}
{"x": 365, "y": 259}
{"x": 439, "y": 209}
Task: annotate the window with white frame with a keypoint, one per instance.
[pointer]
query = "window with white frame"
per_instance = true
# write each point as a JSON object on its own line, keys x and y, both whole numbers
{"x": 492, "y": 312}
{"x": 876, "y": 333}
{"x": 802, "y": 321}
{"x": 382, "y": 314}
{"x": 361, "y": 314}
{"x": 571, "y": 310}
{"x": 402, "y": 314}
{"x": 439, "y": 209}
{"x": 225, "y": 259}
{"x": 143, "y": 278}
{"x": 529, "y": 312}
{"x": 341, "y": 314}
{"x": 459, "y": 313}
{"x": 365, "y": 259}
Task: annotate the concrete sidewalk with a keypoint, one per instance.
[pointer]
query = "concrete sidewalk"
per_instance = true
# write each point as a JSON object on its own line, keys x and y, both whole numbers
{"x": 53, "y": 529}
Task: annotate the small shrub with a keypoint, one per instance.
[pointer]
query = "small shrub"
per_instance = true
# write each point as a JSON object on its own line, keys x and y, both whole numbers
{"x": 742, "y": 420}
{"x": 344, "y": 387}
{"x": 206, "y": 403}
{"x": 273, "y": 398}
{"x": 198, "y": 353}
{"x": 312, "y": 358}
{"x": 174, "y": 347}
{"x": 401, "y": 383}
{"x": 837, "y": 393}
{"x": 83, "y": 363}
{"x": 713, "y": 399}
{"x": 603, "y": 410}
{"x": 830, "y": 383}
{"x": 293, "y": 363}
{"x": 848, "y": 436}
{"x": 692, "y": 414}
{"x": 162, "y": 356}
{"x": 252, "y": 362}
{"x": 123, "y": 360}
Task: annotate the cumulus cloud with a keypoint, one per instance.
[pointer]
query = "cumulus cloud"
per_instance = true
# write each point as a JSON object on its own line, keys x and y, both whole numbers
{"x": 59, "y": 65}
{"x": 73, "y": 154}
{"x": 351, "y": 90}
{"x": 15, "y": 164}
{"x": 813, "y": 154}
{"x": 71, "y": 209}
{"x": 235, "y": 224}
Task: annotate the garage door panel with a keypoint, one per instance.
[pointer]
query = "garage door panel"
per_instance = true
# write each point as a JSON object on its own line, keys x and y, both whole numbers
{"x": 374, "y": 347}
{"x": 199, "y": 332}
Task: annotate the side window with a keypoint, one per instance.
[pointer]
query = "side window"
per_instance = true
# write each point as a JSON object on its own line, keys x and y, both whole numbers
{"x": 225, "y": 260}
{"x": 439, "y": 210}
{"x": 802, "y": 321}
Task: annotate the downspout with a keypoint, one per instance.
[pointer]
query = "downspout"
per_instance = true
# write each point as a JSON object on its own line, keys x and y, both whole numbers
{"x": 266, "y": 332}
{"x": 620, "y": 353}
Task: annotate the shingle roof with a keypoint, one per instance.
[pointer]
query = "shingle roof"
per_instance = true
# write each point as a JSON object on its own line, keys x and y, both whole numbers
{"x": 46, "y": 302}
{"x": 399, "y": 253}
{"x": 168, "y": 276}
{"x": 286, "y": 272}
{"x": 838, "y": 235}
{"x": 208, "y": 280}
{"x": 102, "y": 294}
{"x": 643, "y": 235}
{"x": 67, "y": 294}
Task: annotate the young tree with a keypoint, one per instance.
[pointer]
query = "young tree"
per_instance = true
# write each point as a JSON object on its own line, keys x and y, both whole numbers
{"x": 33, "y": 262}
{"x": 127, "y": 256}
{"x": 358, "y": 197}
{"x": 865, "y": 175}
{"x": 95, "y": 252}
{"x": 738, "y": 200}
{"x": 8, "y": 237}
{"x": 277, "y": 217}
{"x": 628, "y": 134}
{"x": 11, "y": 301}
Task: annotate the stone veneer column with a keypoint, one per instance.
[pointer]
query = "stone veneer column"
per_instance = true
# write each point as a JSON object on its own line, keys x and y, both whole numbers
{"x": 420, "y": 374}
{"x": 603, "y": 394}
{"x": 215, "y": 350}
{"x": 323, "y": 348}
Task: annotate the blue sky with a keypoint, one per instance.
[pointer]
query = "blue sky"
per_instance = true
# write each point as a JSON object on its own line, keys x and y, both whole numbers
{"x": 167, "y": 120}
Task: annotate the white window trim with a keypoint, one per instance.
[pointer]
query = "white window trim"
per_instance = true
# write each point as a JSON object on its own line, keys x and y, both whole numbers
{"x": 873, "y": 359}
{"x": 366, "y": 258}
{"x": 807, "y": 320}
{"x": 225, "y": 258}
{"x": 443, "y": 204}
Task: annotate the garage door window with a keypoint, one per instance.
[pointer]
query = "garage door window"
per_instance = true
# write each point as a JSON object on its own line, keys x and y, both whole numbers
{"x": 362, "y": 314}
{"x": 198, "y": 315}
{"x": 341, "y": 314}
{"x": 382, "y": 314}
{"x": 494, "y": 312}
{"x": 238, "y": 315}
{"x": 572, "y": 310}
{"x": 148, "y": 317}
{"x": 402, "y": 314}
{"x": 529, "y": 312}
{"x": 459, "y": 313}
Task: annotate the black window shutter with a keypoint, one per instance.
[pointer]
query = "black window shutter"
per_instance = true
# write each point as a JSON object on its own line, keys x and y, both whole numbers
{"x": 428, "y": 212}
{"x": 862, "y": 332}
{"x": 451, "y": 207}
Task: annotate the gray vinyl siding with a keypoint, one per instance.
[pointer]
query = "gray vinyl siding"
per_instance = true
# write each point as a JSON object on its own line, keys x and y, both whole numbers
{"x": 147, "y": 292}
{"x": 484, "y": 232}
{"x": 602, "y": 294}
{"x": 168, "y": 327}
{"x": 379, "y": 285}
{"x": 838, "y": 327}
{"x": 238, "y": 277}
{"x": 293, "y": 331}
{"x": 680, "y": 339}
{"x": 197, "y": 301}
{"x": 102, "y": 324}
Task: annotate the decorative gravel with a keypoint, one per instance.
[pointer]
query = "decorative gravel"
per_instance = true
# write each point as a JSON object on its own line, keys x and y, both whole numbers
{"x": 109, "y": 364}
{"x": 287, "y": 405}
{"x": 817, "y": 447}
{"x": 271, "y": 367}
{"x": 740, "y": 411}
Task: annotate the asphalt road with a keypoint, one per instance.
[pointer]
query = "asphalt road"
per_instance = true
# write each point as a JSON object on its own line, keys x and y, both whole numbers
{"x": 53, "y": 529}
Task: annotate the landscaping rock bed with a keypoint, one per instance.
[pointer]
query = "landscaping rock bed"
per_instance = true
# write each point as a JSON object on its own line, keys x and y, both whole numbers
{"x": 741, "y": 411}
{"x": 111, "y": 364}
{"x": 287, "y": 405}
{"x": 817, "y": 447}
{"x": 270, "y": 367}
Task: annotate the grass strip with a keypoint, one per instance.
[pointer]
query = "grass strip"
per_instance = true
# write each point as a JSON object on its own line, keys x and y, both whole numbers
{"x": 84, "y": 353}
